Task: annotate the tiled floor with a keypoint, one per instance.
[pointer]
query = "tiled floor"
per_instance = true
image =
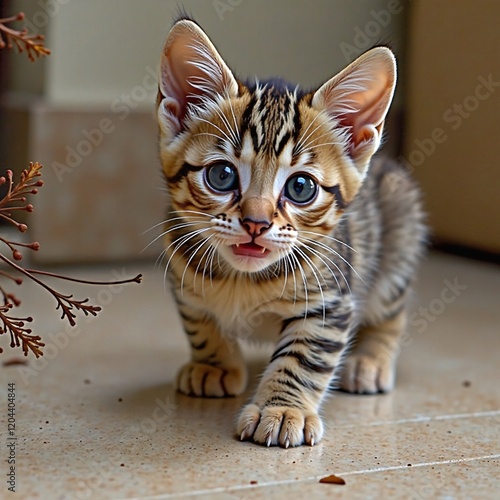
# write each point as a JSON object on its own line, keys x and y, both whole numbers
{"x": 98, "y": 416}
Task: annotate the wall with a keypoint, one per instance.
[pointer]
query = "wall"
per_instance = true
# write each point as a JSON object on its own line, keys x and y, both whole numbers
{"x": 102, "y": 48}
{"x": 453, "y": 120}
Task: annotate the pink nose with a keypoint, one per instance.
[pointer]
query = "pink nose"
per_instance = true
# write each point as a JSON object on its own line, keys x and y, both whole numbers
{"x": 255, "y": 228}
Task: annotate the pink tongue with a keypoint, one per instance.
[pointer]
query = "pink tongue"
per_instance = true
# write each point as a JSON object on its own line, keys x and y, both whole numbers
{"x": 249, "y": 249}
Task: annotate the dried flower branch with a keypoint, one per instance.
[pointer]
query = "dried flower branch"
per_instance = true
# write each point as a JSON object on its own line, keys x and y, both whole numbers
{"x": 15, "y": 199}
{"x": 24, "y": 41}
{"x": 19, "y": 335}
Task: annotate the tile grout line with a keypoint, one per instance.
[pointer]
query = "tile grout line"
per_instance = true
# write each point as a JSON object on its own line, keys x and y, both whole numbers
{"x": 313, "y": 478}
{"x": 492, "y": 413}
{"x": 422, "y": 464}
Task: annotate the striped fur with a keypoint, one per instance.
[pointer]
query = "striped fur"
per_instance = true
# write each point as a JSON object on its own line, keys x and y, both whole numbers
{"x": 331, "y": 285}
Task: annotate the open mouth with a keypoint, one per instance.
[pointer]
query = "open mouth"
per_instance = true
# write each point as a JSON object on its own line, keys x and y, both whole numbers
{"x": 250, "y": 250}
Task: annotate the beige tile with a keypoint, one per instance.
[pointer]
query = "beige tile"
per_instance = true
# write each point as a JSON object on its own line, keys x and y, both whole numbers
{"x": 104, "y": 397}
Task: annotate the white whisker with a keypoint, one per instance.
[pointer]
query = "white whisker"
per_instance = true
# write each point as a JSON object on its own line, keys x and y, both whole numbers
{"x": 313, "y": 266}
{"x": 233, "y": 132}
{"x": 212, "y": 249}
{"x": 198, "y": 246}
{"x": 199, "y": 264}
{"x": 311, "y": 148}
{"x": 191, "y": 212}
{"x": 305, "y": 145}
{"x": 302, "y": 139}
{"x": 181, "y": 241}
{"x": 330, "y": 238}
{"x": 218, "y": 128}
{"x": 321, "y": 257}
{"x": 173, "y": 228}
{"x": 236, "y": 127}
{"x": 331, "y": 250}
{"x": 304, "y": 281}
{"x": 212, "y": 261}
{"x": 166, "y": 221}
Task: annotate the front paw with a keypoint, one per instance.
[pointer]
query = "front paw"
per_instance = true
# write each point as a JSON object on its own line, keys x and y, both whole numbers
{"x": 203, "y": 380}
{"x": 279, "y": 425}
{"x": 364, "y": 374}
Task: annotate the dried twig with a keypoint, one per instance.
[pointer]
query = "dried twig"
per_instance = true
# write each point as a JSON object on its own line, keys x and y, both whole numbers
{"x": 20, "y": 335}
{"x": 24, "y": 41}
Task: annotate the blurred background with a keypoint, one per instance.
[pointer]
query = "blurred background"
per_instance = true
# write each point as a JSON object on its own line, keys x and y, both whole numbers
{"x": 86, "y": 111}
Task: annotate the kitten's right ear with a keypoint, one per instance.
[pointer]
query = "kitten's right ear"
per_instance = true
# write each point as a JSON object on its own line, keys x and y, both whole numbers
{"x": 358, "y": 99}
{"x": 191, "y": 72}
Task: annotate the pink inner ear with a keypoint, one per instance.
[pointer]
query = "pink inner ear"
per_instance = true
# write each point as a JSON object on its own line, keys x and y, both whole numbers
{"x": 175, "y": 75}
{"x": 191, "y": 70}
{"x": 369, "y": 115}
{"x": 359, "y": 97}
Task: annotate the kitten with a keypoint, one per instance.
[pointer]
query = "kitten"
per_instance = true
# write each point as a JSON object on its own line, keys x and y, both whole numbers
{"x": 277, "y": 219}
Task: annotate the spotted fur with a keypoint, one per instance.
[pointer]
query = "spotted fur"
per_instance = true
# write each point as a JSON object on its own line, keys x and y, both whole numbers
{"x": 326, "y": 280}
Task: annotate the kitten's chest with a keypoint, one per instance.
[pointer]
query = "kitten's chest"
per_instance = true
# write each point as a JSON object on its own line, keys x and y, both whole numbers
{"x": 244, "y": 310}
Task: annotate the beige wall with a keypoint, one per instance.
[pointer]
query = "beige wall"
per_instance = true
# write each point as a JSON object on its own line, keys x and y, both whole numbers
{"x": 103, "y": 49}
{"x": 24, "y": 75}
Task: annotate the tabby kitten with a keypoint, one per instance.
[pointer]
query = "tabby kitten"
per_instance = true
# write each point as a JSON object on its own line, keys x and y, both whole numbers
{"x": 278, "y": 220}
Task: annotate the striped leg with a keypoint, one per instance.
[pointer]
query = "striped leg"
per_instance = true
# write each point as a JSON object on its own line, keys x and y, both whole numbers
{"x": 284, "y": 410}
{"x": 370, "y": 365}
{"x": 217, "y": 368}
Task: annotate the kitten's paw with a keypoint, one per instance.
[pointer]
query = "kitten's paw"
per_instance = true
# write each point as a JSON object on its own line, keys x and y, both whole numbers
{"x": 279, "y": 425}
{"x": 367, "y": 375}
{"x": 203, "y": 380}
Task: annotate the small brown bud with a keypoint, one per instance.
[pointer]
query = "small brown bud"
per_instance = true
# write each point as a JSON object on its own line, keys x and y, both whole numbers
{"x": 22, "y": 227}
{"x": 34, "y": 246}
{"x": 17, "y": 255}
{"x": 20, "y": 16}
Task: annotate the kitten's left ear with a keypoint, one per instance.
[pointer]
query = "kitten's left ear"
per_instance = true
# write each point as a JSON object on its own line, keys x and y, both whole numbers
{"x": 358, "y": 99}
{"x": 191, "y": 73}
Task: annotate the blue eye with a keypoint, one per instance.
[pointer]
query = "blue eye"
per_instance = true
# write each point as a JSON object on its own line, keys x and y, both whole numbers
{"x": 300, "y": 188}
{"x": 222, "y": 177}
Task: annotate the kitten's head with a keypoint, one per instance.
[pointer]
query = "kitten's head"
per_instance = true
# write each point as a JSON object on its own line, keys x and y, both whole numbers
{"x": 260, "y": 169}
